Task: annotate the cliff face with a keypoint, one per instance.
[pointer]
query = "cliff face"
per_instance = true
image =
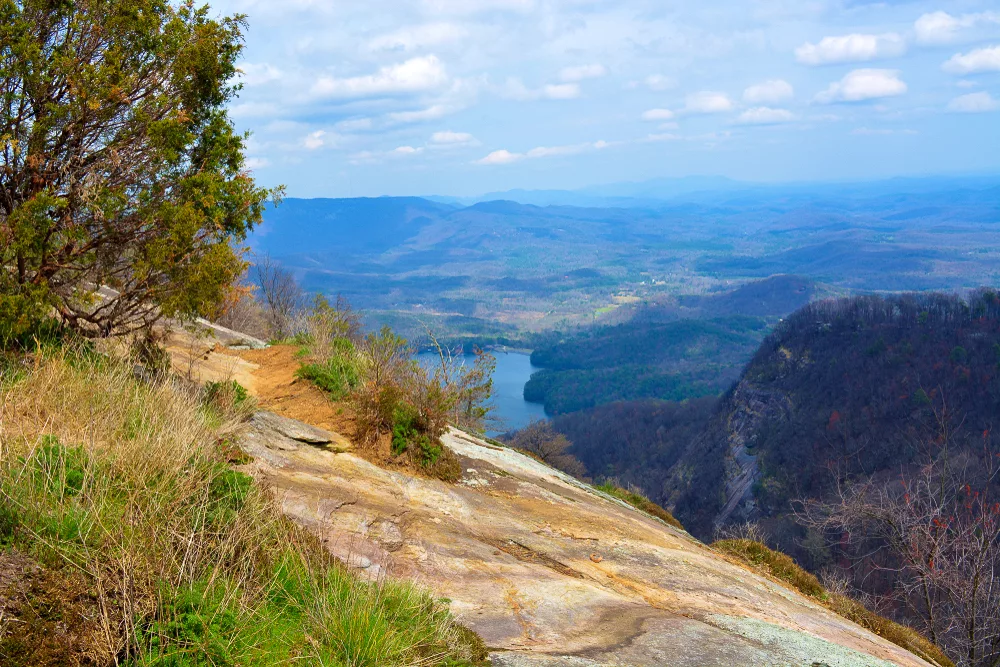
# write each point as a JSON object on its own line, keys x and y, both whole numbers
{"x": 547, "y": 570}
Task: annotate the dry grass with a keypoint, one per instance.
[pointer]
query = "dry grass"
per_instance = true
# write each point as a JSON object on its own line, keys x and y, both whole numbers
{"x": 125, "y": 484}
{"x": 640, "y": 502}
{"x": 777, "y": 565}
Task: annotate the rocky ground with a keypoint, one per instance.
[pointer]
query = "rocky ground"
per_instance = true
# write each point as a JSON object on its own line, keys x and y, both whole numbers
{"x": 547, "y": 570}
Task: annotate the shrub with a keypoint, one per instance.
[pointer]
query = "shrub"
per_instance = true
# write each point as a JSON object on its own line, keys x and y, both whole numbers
{"x": 338, "y": 375}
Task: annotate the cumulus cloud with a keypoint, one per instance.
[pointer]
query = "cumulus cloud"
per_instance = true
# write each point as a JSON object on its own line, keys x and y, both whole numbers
{"x": 506, "y": 157}
{"x": 561, "y": 91}
{"x": 501, "y": 157}
{"x": 769, "y": 92}
{"x": 314, "y": 140}
{"x": 420, "y": 115}
{"x": 706, "y": 102}
{"x": 863, "y": 84}
{"x": 449, "y": 138}
{"x": 943, "y": 28}
{"x": 413, "y": 76}
{"x": 256, "y": 163}
{"x": 659, "y": 82}
{"x": 422, "y": 36}
{"x": 974, "y": 103}
{"x": 986, "y": 59}
{"x": 658, "y": 115}
{"x": 765, "y": 116}
{"x": 850, "y": 48}
{"x": 582, "y": 73}
{"x": 516, "y": 90}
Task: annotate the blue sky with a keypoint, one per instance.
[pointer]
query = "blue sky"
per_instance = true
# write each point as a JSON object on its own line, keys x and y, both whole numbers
{"x": 461, "y": 97}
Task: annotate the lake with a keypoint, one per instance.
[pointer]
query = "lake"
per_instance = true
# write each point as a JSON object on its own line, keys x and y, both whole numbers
{"x": 512, "y": 371}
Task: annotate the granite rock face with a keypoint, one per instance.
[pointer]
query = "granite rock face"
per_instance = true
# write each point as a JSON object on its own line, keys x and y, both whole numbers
{"x": 550, "y": 572}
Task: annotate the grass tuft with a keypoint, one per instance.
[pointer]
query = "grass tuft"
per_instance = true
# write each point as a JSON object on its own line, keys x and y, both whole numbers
{"x": 123, "y": 486}
{"x": 640, "y": 502}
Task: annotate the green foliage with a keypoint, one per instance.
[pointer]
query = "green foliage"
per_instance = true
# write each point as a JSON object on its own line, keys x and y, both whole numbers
{"x": 232, "y": 581}
{"x": 161, "y": 198}
{"x": 338, "y": 375}
{"x": 228, "y": 392}
{"x": 408, "y": 433}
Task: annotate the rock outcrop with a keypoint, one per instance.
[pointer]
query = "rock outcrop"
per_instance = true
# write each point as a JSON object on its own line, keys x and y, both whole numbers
{"x": 546, "y": 569}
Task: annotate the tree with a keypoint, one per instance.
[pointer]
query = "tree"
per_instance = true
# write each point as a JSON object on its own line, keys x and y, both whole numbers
{"x": 280, "y": 295}
{"x": 120, "y": 167}
{"x": 544, "y": 442}
{"x": 935, "y": 535}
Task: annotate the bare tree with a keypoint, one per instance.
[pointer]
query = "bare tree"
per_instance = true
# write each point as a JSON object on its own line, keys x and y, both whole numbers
{"x": 935, "y": 534}
{"x": 543, "y": 441}
{"x": 280, "y": 295}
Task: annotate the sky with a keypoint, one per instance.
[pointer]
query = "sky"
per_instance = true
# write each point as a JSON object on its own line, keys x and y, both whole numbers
{"x": 462, "y": 97}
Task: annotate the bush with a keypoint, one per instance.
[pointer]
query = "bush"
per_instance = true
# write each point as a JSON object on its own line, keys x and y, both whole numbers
{"x": 338, "y": 375}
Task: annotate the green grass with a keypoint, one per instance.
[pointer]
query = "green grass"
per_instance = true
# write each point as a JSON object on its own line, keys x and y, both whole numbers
{"x": 182, "y": 561}
{"x": 337, "y": 375}
{"x": 640, "y": 502}
{"x": 779, "y": 566}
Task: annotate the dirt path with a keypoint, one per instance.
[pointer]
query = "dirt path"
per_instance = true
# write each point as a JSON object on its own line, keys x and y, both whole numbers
{"x": 278, "y": 390}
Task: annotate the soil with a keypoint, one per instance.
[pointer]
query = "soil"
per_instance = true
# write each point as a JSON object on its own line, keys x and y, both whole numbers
{"x": 48, "y": 617}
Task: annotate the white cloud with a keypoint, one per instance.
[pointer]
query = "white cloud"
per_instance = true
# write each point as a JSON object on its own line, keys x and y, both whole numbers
{"x": 765, "y": 116}
{"x": 314, "y": 140}
{"x": 850, "y": 48}
{"x": 965, "y": 83}
{"x": 430, "y": 113}
{"x": 501, "y": 157}
{"x": 943, "y": 28}
{"x": 407, "y": 150}
{"x": 256, "y": 163}
{"x": 516, "y": 90}
{"x": 974, "y": 103}
{"x": 506, "y": 157}
{"x": 561, "y": 91}
{"x": 257, "y": 74}
{"x": 415, "y": 75}
{"x": 986, "y": 59}
{"x": 658, "y": 115}
{"x": 582, "y": 73}
{"x": 449, "y": 138}
{"x": 254, "y": 110}
{"x": 422, "y": 36}
{"x": 863, "y": 84}
{"x": 707, "y": 102}
{"x": 769, "y": 92}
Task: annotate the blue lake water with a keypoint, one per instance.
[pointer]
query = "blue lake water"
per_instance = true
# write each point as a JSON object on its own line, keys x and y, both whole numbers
{"x": 512, "y": 371}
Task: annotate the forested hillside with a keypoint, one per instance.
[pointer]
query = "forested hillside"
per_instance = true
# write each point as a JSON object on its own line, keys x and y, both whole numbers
{"x": 844, "y": 388}
{"x": 669, "y": 348}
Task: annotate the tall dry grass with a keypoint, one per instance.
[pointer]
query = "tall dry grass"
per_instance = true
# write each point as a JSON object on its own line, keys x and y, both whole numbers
{"x": 190, "y": 563}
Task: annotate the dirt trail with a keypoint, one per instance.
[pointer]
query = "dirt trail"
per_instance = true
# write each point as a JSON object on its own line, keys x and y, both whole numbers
{"x": 278, "y": 390}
